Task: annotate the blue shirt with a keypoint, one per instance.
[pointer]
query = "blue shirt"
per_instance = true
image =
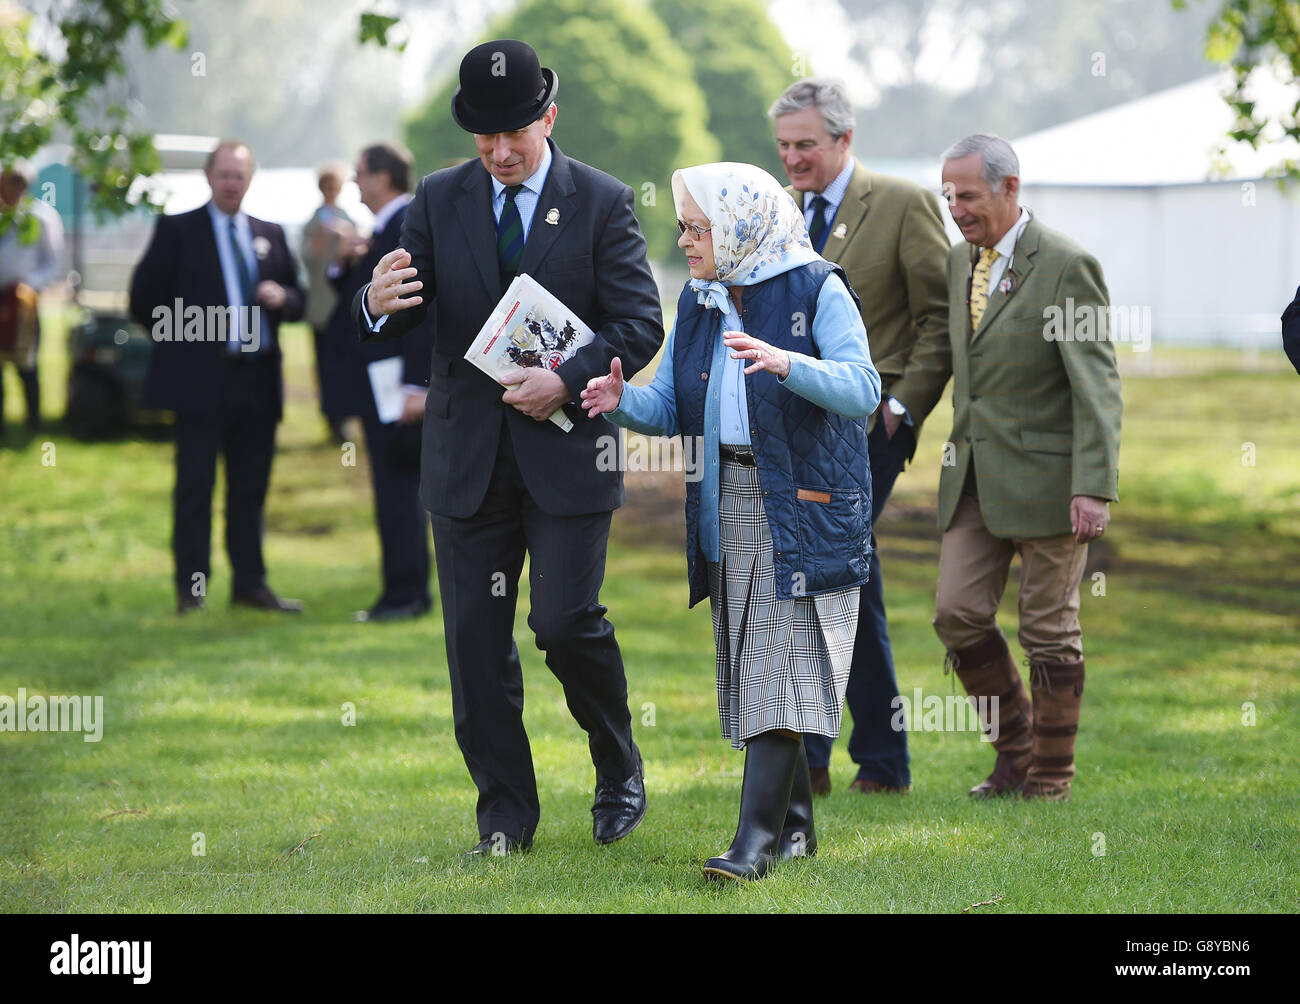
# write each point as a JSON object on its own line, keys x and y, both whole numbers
{"x": 230, "y": 270}
{"x": 834, "y": 382}
{"x": 526, "y": 198}
{"x": 735, "y": 405}
{"x": 834, "y": 195}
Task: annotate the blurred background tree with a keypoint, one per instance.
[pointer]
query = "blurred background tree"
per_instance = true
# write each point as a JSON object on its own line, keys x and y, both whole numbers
{"x": 936, "y": 70}
{"x": 1265, "y": 34}
{"x": 647, "y": 85}
{"x": 63, "y": 76}
{"x": 742, "y": 64}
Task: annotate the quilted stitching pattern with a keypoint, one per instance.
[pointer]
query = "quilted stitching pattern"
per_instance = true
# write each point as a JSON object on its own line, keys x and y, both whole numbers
{"x": 797, "y": 443}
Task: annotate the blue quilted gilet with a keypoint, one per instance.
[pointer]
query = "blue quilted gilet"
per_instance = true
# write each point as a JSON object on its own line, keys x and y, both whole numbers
{"x": 821, "y": 542}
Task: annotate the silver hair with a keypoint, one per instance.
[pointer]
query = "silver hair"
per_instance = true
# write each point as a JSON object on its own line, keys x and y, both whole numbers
{"x": 999, "y": 161}
{"x": 826, "y": 94}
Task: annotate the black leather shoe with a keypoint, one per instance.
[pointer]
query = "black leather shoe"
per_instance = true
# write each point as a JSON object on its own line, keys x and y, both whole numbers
{"x": 382, "y": 611}
{"x": 496, "y": 845}
{"x": 186, "y": 603}
{"x": 262, "y": 598}
{"x": 620, "y": 805}
{"x": 798, "y": 838}
{"x": 764, "y": 801}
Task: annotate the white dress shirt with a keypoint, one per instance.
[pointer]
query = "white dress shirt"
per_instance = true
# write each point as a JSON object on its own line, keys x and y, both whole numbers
{"x": 1006, "y": 248}
{"x": 230, "y": 269}
{"x": 834, "y": 195}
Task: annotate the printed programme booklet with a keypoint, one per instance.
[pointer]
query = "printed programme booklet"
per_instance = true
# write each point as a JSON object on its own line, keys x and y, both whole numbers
{"x": 529, "y": 328}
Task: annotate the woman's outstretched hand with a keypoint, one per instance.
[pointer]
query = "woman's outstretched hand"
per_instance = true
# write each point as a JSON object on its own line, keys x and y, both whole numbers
{"x": 602, "y": 394}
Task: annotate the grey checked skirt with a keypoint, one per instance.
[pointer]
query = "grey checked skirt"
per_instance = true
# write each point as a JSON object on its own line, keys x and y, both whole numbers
{"x": 782, "y": 663}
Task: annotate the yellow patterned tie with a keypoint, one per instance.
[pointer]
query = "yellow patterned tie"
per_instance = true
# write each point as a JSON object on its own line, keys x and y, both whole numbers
{"x": 979, "y": 286}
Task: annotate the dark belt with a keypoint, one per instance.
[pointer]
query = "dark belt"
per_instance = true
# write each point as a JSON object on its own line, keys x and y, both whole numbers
{"x": 742, "y": 455}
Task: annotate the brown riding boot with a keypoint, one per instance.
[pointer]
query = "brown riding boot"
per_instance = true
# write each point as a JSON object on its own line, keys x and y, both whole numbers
{"x": 1058, "y": 693}
{"x": 987, "y": 670}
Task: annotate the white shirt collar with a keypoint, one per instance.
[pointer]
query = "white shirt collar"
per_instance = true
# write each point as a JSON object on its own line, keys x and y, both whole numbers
{"x": 218, "y": 217}
{"x": 533, "y": 184}
{"x": 389, "y": 210}
{"x": 836, "y": 190}
{"x": 1007, "y": 244}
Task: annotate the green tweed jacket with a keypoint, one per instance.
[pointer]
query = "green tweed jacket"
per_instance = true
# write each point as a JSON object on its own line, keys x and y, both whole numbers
{"x": 888, "y": 236}
{"x": 1036, "y": 409}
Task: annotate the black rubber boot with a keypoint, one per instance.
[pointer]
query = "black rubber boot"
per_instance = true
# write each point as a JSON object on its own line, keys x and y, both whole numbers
{"x": 798, "y": 838}
{"x": 770, "y": 760}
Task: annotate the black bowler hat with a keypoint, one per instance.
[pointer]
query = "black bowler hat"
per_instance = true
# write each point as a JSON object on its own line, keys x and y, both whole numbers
{"x": 503, "y": 87}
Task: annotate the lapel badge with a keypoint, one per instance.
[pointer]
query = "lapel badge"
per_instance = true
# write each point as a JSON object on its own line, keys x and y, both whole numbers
{"x": 1008, "y": 284}
{"x": 261, "y": 247}
{"x": 553, "y": 216}
{"x": 841, "y": 231}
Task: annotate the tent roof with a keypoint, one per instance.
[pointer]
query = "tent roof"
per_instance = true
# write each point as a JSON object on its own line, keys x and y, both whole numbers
{"x": 1166, "y": 138}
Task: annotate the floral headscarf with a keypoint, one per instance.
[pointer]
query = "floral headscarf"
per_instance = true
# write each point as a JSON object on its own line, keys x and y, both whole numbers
{"x": 758, "y": 231}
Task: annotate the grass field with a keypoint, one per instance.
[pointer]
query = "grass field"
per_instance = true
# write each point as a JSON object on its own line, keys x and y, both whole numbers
{"x": 229, "y": 725}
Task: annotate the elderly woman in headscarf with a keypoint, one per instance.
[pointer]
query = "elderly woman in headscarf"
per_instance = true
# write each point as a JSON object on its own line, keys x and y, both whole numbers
{"x": 767, "y": 366}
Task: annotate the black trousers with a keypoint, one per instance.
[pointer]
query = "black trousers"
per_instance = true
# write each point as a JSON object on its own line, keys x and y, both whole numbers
{"x": 879, "y": 750}
{"x": 479, "y": 563}
{"x": 243, "y": 430}
{"x": 403, "y": 533}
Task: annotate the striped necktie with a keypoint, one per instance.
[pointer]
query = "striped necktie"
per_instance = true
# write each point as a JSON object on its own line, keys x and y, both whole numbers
{"x": 246, "y": 285}
{"x": 510, "y": 235}
{"x": 979, "y": 286}
{"x": 817, "y": 230}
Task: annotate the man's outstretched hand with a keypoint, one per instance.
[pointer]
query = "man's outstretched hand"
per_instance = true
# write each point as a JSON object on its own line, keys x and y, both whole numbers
{"x": 391, "y": 280}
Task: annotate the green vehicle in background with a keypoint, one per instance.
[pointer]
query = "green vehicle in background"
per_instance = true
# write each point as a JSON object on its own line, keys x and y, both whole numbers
{"x": 108, "y": 354}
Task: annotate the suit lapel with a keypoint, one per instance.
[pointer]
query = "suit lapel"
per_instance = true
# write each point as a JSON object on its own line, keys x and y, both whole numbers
{"x": 478, "y": 226}
{"x": 556, "y": 202}
{"x": 211, "y": 263}
{"x": 264, "y": 265}
{"x": 1023, "y": 259}
{"x": 851, "y": 214}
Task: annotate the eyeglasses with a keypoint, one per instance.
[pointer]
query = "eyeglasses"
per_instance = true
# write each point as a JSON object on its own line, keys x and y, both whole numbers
{"x": 683, "y": 226}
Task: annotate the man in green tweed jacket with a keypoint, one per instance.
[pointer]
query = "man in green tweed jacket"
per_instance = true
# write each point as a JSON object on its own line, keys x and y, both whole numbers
{"x": 1031, "y": 464}
{"x": 887, "y": 234}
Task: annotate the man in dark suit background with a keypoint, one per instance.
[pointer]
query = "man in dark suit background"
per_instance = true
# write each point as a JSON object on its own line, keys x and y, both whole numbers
{"x": 499, "y": 479}
{"x": 1291, "y": 331}
{"x": 383, "y": 175}
{"x": 212, "y": 289}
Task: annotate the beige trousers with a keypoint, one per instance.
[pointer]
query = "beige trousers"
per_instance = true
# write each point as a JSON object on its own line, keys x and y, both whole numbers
{"x": 973, "y": 569}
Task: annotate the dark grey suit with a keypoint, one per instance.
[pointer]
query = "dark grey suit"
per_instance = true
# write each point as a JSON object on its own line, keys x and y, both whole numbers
{"x": 500, "y": 484}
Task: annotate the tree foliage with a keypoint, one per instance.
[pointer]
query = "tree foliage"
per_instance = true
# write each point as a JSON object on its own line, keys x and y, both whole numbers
{"x": 628, "y": 102}
{"x": 74, "y": 82}
{"x": 1246, "y": 35}
{"x": 742, "y": 65}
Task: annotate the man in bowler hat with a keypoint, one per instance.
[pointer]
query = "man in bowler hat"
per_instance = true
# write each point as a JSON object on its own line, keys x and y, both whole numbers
{"x": 499, "y": 479}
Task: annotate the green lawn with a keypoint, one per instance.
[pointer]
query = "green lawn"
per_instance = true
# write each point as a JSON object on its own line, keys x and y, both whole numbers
{"x": 229, "y": 724}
